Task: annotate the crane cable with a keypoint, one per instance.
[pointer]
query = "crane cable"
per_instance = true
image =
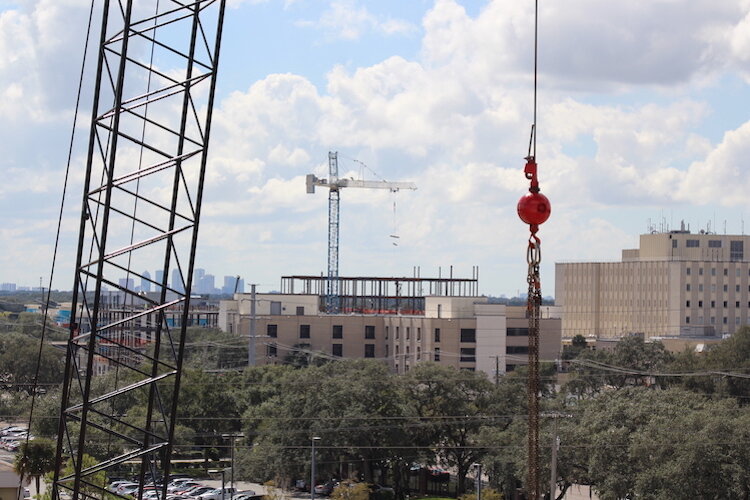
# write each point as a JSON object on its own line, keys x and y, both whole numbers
{"x": 533, "y": 209}
{"x": 24, "y": 458}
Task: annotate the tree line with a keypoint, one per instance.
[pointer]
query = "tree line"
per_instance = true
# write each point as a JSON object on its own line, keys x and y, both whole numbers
{"x": 636, "y": 421}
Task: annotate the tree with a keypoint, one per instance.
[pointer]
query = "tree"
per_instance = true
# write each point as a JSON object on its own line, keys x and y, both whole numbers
{"x": 18, "y": 363}
{"x": 630, "y": 363}
{"x": 451, "y": 407}
{"x": 35, "y": 458}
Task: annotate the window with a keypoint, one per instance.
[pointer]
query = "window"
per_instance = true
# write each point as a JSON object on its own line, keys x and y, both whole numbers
{"x": 724, "y": 320}
{"x": 713, "y": 271}
{"x": 713, "y": 320}
{"x": 275, "y": 308}
{"x": 386, "y": 350}
{"x": 468, "y": 335}
{"x": 272, "y": 330}
{"x": 300, "y": 310}
{"x": 726, "y": 272}
{"x": 713, "y": 303}
{"x": 419, "y": 353}
{"x": 687, "y": 287}
{"x": 517, "y": 349}
{"x": 387, "y": 331}
{"x": 714, "y": 243}
{"x": 337, "y": 332}
{"x": 510, "y": 368}
{"x": 369, "y": 331}
{"x": 437, "y": 334}
{"x": 271, "y": 351}
{"x": 737, "y": 304}
{"x": 687, "y": 303}
{"x": 687, "y": 271}
{"x": 692, "y": 243}
{"x": 737, "y": 320}
{"x": 437, "y": 354}
{"x": 674, "y": 243}
{"x": 737, "y": 288}
{"x": 419, "y": 333}
{"x": 518, "y": 332}
{"x": 468, "y": 354}
{"x": 304, "y": 331}
{"x": 700, "y": 303}
{"x": 713, "y": 288}
{"x": 396, "y": 350}
{"x": 700, "y": 288}
{"x": 700, "y": 271}
{"x": 369, "y": 350}
{"x": 725, "y": 288}
{"x": 725, "y": 303}
{"x": 736, "y": 251}
{"x": 408, "y": 332}
{"x": 398, "y": 332}
{"x": 337, "y": 350}
{"x": 687, "y": 319}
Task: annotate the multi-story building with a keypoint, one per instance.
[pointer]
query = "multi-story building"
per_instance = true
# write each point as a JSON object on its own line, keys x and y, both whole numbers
{"x": 466, "y": 332}
{"x": 676, "y": 283}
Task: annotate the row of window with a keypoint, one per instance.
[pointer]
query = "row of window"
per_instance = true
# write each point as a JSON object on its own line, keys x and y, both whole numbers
{"x": 736, "y": 247}
{"x": 737, "y": 271}
{"x": 337, "y": 332}
{"x": 336, "y": 350}
{"x": 712, "y": 320}
{"x": 725, "y": 303}
{"x": 713, "y": 288}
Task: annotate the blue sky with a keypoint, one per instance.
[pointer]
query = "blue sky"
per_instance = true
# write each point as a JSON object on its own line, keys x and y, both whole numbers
{"x": 643, "y": 116}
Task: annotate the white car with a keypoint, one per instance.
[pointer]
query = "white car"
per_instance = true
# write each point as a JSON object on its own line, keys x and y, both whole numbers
{"x": 215, "y": 494}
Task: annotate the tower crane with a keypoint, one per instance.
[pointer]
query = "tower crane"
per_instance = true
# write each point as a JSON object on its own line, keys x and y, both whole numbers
{"x": 334, "y": 184}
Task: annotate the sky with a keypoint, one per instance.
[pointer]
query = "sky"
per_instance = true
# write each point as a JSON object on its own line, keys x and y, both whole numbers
{"x": 643, "y": 121}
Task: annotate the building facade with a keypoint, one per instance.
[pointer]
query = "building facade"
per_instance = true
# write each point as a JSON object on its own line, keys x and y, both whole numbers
{"x": 675, "y": 284}
{"x": 463, "y": 332}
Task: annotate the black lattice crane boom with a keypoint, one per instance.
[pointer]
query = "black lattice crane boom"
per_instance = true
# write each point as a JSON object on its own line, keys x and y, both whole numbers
{"x": 147, "y": 151}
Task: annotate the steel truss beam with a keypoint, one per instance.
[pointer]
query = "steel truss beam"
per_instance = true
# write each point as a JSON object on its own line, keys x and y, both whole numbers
{"x": 148, "y": 142}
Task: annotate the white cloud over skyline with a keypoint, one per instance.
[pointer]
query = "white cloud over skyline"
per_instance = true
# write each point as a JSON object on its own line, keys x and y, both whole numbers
{"x": 623, "y": 115}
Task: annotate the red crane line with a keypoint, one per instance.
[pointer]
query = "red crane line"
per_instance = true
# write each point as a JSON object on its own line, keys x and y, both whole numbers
{"x": 533, "y": 209}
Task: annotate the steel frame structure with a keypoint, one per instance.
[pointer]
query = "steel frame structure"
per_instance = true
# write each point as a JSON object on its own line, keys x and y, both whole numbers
{"x": 333, "y": 285}
{"x": 147, "y": 150}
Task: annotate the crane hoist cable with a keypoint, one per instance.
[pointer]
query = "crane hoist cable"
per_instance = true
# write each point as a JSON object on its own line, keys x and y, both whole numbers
{"x": 45, "y": 327}
{"x": 533, "y": 209}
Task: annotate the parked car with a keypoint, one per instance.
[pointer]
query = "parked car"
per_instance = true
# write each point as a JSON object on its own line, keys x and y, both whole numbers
{"x": 197, "y": 492}
{"x": 115, "y": 484}
{"x": 326, "y": 488}
{"x": 250, "y": 495}
{"x": 215, "y": 494}
{"x": 183, "y": 487}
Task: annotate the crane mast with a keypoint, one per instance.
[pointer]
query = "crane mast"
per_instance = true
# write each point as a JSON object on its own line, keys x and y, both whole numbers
{"x": 334, "y": 185}
{"x": 145, "y": 168}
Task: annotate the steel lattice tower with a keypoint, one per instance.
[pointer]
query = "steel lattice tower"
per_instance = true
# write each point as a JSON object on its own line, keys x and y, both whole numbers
{"x": 333, "y": 292}
{"x": 151, "y": 119}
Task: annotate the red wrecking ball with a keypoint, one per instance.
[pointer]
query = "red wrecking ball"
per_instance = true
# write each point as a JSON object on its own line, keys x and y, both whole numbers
{"x": 534, "y": 208}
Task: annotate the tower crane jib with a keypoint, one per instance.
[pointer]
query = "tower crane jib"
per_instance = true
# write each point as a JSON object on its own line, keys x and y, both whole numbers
{"x": 334, "y": 185}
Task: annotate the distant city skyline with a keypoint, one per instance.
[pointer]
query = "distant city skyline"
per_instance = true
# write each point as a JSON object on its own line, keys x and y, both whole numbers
{"x": 203, "y": 283}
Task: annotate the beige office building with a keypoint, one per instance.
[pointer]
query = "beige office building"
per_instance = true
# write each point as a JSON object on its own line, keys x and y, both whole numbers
{"x": 463, "y": 332}
{"x": 675, "y": 284}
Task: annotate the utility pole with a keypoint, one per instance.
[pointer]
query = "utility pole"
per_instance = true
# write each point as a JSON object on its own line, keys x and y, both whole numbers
{"x": 251, "y": 347}
{"x": 497, "y": 369}
{"x": 553, "y": 465}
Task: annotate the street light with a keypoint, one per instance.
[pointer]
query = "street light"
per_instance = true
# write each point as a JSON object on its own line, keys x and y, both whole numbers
{"x": 233, "y": 437}
{"x": 312, "y": 469}
{"x": 217, "y": 471}
{"x": 478, "y": 480}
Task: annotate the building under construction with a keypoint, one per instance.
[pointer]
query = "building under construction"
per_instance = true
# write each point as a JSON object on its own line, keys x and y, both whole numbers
{"x": 400, "y": 321}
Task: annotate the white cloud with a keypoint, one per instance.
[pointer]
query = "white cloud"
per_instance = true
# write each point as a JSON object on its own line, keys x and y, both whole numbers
{"x": 348, "y": 20}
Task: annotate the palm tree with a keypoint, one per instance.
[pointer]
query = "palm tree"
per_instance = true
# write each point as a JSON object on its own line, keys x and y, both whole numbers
{"x": 34, "y": 459}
